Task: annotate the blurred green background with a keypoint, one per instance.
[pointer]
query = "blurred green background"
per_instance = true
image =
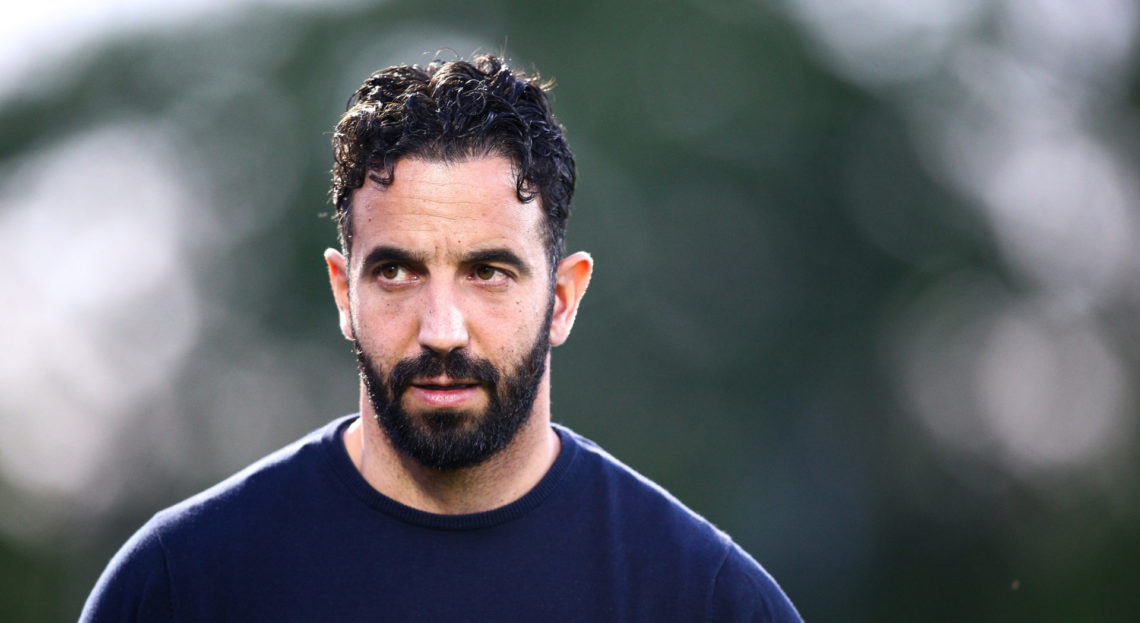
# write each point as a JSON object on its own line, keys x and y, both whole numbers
{"x": 866, "y": 292}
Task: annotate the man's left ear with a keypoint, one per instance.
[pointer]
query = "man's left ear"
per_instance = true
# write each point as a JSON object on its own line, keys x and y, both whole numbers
{"x": 570, "y": 282}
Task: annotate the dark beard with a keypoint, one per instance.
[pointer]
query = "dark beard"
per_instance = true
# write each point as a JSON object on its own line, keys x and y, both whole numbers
{"x": 443, "y": 439}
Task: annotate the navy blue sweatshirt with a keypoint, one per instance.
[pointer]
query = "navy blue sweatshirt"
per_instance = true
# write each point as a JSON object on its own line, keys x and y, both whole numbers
{"x": 301, "y": 536}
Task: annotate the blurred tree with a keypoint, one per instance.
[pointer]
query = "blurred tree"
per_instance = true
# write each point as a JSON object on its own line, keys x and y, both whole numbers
{"x": 812, "y": 318}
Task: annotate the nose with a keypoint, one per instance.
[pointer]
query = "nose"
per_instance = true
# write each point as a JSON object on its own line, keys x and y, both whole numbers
{"x": 443, "y": 325}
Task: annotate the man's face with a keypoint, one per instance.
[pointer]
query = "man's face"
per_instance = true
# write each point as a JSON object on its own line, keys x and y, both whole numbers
{"x": 450, "y": 305}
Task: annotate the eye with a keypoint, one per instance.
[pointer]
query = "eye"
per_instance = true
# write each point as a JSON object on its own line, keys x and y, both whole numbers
{"x": 486, "y": 273}
{"x": 489, "y": 276}
{"x": 393, "y": 272}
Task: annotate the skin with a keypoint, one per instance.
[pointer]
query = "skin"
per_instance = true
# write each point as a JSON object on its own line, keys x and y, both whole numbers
{"x": 446, "y": 258}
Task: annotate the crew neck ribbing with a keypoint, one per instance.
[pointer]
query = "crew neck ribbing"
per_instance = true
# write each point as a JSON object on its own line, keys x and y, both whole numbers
{"x": 338, "y": 459}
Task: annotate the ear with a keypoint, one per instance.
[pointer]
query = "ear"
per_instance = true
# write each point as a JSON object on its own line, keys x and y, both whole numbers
{"x": 570, "y": 281}
{"x": 338, "y": 279}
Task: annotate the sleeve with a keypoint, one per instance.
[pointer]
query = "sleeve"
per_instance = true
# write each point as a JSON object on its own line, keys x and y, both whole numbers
{"x": 744, "y": 592}
{"x": 135, "y": 586}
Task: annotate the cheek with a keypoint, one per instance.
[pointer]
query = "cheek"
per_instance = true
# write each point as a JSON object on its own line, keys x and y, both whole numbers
{"x": 511, "y": 330}
{"x": 381, "y": 325}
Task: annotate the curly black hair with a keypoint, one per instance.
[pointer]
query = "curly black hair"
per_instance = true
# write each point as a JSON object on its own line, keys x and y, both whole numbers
{"x": 452, "y": 111}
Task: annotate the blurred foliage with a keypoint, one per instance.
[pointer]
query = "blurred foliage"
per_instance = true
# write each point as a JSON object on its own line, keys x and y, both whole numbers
{"x": 735, "y": 343}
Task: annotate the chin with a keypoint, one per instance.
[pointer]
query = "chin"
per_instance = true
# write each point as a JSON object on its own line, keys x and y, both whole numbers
{"x": 447, "y": 420}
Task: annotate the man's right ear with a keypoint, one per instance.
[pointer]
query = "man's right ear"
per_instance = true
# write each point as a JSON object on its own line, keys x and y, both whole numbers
{"x": 338, "y": 279}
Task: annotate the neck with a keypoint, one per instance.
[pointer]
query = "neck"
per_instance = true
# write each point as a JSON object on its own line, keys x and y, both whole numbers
{"x": 498, "y": 481}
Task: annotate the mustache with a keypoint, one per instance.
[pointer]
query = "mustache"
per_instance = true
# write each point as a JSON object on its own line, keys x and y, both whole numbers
{"x": 456, "y": 364}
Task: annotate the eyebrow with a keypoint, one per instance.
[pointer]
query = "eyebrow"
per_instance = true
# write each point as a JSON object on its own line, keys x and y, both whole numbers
{"x": 500, "y": 255}
{"x": 384, "y": 254}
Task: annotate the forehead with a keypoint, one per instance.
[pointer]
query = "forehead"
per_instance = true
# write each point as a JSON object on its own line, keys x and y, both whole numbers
{"x": 430, "y": 203}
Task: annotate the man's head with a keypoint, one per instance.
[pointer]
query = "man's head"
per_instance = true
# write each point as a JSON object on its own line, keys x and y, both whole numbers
{"x": 452, "y": 111}
{"x": 451, "y": 290}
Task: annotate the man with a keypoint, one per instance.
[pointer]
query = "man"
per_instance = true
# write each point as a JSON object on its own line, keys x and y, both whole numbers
{"x": 452, "y": 496}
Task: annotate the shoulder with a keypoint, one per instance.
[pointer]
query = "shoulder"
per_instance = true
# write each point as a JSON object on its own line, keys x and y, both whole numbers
{"x": 268, "y": 484}
{"x": 640, "y": 500}
{"x": 683, "y": 548}
{"x": 744, "y": 591}
{"x": 186, "y": 539}
{"x": 135, "y": 586}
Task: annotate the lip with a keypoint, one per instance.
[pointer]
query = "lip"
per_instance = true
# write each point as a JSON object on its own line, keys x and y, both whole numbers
{"x": 444, "y": 393}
